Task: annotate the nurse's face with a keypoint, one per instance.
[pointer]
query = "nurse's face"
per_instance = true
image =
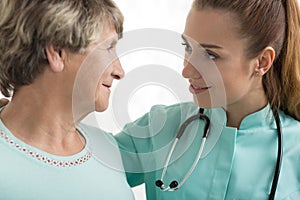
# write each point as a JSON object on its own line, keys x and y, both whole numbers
{"x": 214, "y": 31}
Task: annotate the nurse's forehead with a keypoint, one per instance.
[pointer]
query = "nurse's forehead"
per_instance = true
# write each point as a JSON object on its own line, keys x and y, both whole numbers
{"x": 204, "y": 45}
{"x": 210, "y": 27}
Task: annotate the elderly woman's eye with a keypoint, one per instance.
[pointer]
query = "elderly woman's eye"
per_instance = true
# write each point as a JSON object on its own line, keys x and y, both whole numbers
{"x": 110, "y": 47}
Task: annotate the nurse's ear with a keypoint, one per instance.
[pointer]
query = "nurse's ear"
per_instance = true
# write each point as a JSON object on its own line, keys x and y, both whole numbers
{"x": 55, "y": 58}
{"x": 265, "y": 61}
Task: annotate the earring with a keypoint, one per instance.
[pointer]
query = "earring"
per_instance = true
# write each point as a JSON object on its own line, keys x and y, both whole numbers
{"x": 258, "y": 73}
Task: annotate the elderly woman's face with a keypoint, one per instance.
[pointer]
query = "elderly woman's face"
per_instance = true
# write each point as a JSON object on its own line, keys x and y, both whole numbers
{"x": 93, "y": 73}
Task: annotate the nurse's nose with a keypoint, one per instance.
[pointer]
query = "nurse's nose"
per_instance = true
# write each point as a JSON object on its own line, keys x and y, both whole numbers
{"x": 189, "y": 71}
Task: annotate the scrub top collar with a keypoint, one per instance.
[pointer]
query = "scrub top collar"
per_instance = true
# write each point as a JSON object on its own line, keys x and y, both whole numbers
{"x": 260, "y": 119}
{"x": 217, "y": 116}
{"x": 218, "y": 120}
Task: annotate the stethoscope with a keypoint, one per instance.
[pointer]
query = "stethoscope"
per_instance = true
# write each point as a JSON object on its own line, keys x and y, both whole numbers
{"x": 174, "y": 185}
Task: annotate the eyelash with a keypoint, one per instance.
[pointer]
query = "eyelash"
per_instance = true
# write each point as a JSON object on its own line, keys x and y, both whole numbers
{"x": 187, "y": 48}
{"x": 210, "y": 54}
{"x": 111, "y": 47}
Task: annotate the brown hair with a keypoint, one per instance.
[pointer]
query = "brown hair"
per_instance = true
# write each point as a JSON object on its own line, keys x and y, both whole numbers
{"x": 27, "y": 26}
{"x": 270, "y": 23}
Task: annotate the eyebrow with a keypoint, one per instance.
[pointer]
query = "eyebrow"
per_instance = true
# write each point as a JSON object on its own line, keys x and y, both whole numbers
{"x": 211, "y": 46}
{"x": 203, "y": 45}
{"x": 113, "y": 40}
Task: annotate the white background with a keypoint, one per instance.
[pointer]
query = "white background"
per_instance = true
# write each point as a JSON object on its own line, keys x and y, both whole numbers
{"x": 164, "y": 14}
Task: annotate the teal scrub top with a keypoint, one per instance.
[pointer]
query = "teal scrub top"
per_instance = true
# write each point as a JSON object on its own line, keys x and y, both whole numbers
{"x": 235, "y": 164}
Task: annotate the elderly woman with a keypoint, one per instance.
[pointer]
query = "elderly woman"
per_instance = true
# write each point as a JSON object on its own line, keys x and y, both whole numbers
{"x": 46, "y": 48}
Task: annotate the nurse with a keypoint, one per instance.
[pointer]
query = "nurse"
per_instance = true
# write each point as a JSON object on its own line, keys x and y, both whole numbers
{"x": 254, "y": 45}
{"x": 46, "y": 49}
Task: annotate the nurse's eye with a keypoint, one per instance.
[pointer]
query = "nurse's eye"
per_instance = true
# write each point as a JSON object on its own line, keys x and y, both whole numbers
{"x": 211, "y": 55}
{"x": 187, "y": 48}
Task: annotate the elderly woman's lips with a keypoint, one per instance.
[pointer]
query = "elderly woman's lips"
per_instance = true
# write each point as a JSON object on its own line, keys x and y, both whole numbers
{"x": 106, "y": 85}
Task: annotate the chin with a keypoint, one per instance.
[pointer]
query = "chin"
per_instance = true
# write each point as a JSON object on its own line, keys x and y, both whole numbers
{"x": 203, "y": 102}
{"x": 101, "y": 107}
{"x": 208, "y": 101}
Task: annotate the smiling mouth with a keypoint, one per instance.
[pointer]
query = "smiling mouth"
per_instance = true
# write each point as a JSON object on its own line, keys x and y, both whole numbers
{"x": 196, "y": 90}
{"x": 105, "y": 85}
{"x": 200, "y": 88}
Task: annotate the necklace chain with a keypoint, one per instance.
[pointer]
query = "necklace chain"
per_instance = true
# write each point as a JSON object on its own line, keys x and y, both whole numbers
{"x": 45, "y": 159}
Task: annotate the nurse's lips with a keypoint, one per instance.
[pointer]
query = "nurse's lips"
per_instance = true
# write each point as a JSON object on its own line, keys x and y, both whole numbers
{"x": 198, "y": 89}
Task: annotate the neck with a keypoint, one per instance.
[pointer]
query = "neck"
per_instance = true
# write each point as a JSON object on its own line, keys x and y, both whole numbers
{"x": 44, "y": 120}
{"x": 236, "y": 112}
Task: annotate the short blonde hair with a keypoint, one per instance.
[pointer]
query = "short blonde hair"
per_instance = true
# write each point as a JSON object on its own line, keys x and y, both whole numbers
{"x": 27, "y": 26}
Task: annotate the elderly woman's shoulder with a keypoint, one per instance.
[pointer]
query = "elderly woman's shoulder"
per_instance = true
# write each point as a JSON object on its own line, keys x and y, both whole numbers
{"x": 92, "y": 133}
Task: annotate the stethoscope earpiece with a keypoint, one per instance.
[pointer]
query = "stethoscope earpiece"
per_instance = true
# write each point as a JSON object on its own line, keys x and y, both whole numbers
{"x": 159, "y": 184}
{"x": 174, "y": 185}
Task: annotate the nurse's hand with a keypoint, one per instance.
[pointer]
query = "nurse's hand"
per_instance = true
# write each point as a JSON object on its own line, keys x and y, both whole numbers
{"x": 3, "y": 102}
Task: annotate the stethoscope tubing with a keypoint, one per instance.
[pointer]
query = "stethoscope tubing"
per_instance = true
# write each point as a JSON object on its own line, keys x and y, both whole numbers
{"x": 174, "y": 184}
{"x": 279, "y": 156}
